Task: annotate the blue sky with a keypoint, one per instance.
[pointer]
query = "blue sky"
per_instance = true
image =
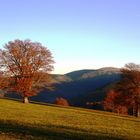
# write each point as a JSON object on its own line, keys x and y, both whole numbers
{"x": 81, "y": 34}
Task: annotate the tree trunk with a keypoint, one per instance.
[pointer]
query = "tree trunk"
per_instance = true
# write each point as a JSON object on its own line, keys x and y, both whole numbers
{"x": 136, "y": 110}
{"x": 25, "y": 99}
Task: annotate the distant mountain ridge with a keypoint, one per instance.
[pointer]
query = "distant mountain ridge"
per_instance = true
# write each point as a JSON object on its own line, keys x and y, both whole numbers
{"x": 83, "y": 74}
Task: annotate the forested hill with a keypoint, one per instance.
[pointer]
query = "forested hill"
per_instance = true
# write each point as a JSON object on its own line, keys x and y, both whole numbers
{"x": 78, "y": 87}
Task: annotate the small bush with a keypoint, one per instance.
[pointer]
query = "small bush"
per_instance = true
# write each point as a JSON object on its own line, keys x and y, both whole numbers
{"x": 61, "y": 101}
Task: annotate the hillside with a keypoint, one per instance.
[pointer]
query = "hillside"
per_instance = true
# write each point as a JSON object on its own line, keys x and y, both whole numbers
{"x": 79, "y": 85}
{"x": 48, "y": 122}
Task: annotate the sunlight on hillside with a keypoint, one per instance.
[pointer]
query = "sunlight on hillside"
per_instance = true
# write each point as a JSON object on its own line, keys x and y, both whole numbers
{"x": 34, "y": 121}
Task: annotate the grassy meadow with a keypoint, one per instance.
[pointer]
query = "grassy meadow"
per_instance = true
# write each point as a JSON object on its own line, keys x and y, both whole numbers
{"x": 48, "y": 122}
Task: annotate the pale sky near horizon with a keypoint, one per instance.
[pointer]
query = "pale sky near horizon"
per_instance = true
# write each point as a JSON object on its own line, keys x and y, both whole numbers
{"x": 81, "y": 34}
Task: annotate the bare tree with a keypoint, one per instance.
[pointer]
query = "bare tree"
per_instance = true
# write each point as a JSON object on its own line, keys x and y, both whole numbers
{"x": 27, "y": 65}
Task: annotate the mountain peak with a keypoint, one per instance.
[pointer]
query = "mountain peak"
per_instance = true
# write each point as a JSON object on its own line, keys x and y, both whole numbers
{"x": 90, "y": 73}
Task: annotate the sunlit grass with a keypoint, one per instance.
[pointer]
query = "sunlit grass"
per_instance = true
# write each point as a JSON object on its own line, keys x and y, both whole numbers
{"x": 34, "y": 121}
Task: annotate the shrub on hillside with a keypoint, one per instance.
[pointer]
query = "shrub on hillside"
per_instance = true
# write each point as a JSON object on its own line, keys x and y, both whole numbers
{"x": 61, "y": 101}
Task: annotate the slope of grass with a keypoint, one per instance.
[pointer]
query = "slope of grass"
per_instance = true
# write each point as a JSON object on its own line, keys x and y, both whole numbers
{"x": 34, "y": 121}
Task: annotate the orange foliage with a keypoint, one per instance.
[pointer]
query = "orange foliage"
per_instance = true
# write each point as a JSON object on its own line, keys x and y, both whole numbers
{"x": 126, "y": 93}
{"x": 61, "y": 101}
{"x": 27, "y": 65}
{"x": 112, "y": 103}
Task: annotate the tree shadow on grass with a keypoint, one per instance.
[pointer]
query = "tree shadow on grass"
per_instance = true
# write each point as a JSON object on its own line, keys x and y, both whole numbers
{"x": 27, "y": 132}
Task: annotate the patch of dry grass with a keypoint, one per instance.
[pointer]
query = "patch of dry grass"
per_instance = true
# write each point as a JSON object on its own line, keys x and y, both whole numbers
{"x": 34, "y": 121}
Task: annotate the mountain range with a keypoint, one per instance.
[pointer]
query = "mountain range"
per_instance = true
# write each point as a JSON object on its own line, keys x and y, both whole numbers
{"x": 80, "y": 87}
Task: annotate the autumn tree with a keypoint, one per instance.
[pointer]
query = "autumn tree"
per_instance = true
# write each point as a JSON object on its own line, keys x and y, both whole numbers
{"x": 128, "y": 89}
{"x": 27, "y": 66}
{"x": 114, "y": 102}
{"x": 109, "y": 102}
{"x": 4, "y": 80}
{"x": 129, "y": 86}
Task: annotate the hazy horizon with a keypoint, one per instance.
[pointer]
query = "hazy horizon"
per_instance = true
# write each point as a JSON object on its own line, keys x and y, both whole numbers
{"x": 81, "y": 34}
{"x": 85, "y": 69}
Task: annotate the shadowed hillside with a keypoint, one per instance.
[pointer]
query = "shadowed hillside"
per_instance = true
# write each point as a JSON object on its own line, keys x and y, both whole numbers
{"x": 78, "y": 86}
